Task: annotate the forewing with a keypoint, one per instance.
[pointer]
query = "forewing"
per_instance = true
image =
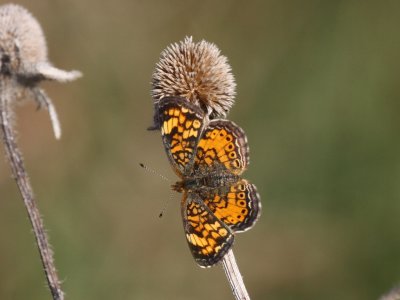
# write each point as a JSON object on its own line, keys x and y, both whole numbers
{"x": 208, "y": 237}
{"x": 222, "y": 144}
{"x": 181, "y": 124}
{"x": 239, "y": 207}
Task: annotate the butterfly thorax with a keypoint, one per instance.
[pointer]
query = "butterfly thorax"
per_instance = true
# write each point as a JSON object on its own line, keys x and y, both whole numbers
{"x": 206, "y": 182}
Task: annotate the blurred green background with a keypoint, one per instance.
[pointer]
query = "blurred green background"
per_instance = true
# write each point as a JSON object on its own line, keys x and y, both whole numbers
{"x": 318, "y": 96}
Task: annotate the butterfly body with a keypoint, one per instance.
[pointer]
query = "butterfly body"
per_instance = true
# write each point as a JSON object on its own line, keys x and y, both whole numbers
{"x": 209, "y": 157}
{"x": 206, "y": 182}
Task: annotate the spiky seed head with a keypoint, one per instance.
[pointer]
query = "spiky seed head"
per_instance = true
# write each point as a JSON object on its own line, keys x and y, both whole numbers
{"x": 24, "y": 62}
{"x": 23, "y": 49}
{"x": 197, "y": 72}
{"x": 21, "y": 38}
{"x": 393, "y": 294}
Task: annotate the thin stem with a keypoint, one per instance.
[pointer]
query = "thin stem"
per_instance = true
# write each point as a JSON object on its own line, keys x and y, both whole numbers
{"x": 21, "y": 177}
{"x": 234, "y": 277}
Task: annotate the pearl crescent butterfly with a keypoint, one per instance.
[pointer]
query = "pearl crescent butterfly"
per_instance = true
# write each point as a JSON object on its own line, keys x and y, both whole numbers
{"x": 209, "y": 157}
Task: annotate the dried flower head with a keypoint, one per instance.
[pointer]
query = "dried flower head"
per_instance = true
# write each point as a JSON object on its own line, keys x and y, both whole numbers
{"x": 23, "y": 58}
{"x": 393, "y": 294}
{"x": 197, "y": 72}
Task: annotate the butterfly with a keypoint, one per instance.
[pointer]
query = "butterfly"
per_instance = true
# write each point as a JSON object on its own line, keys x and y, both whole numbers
{"x": 209, "y": 156}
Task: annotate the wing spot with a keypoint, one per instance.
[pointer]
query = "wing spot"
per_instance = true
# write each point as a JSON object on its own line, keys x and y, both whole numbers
{"x": 194, "y": 210}
{"x": 198, "y": 241}
{"x": 230, "y": 147}
{"x": 188, "y": 124}
{"x": 192, "y": 239}
{"x": 182, "y": 119}
{"x": 208, "y": 161}
{"x": 223, "y": 159}
{"x": 211, "y": 242}
{"x": 236, "y": 163}
{"x": 223, "y": 232}
{"x": 214, "y": 235}
{"x": 193, "y": 132}
{"x": 196, "y": 124}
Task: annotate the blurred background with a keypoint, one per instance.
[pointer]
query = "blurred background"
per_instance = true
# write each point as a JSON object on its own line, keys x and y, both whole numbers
{"x": 317, "y": 95}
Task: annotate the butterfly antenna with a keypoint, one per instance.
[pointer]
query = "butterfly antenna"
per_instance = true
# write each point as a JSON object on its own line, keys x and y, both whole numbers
{"x": 165, "y": 206}
{"x": 165, "y": 179}
{"x": 154, "y": 172}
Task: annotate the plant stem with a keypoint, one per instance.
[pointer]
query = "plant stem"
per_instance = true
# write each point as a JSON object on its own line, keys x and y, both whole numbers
{"x": 21, "y": 177}
{"x": 234, "y": 277}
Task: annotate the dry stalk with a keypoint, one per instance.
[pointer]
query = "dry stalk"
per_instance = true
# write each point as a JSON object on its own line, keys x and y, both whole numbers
{"x": 23, "y": 64}
{"x": 234, "y": 277}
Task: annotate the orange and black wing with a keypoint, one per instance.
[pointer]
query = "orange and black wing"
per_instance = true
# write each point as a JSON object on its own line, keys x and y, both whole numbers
{"x": 239, "y": 207}
{"x": 222, "y": 144}
{"x": 208, "y": 237}
{"x": 181, "y": 125}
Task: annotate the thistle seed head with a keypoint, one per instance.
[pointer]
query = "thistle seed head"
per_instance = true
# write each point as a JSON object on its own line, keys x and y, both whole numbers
{"x": 22, "y": 42}
{"x": 23, "y": 49}
{"x": 394, "y": 294}
{"x": 197, "y": 72}
{"x": 24, "y": 62}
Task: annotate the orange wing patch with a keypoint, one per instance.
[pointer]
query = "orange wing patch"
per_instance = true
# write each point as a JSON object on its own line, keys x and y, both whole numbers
{"x": 224, "y": 143}
{"x": 181, "y": 125}
{"x": 209, "y": 239}
{"x": 239, "y": 208}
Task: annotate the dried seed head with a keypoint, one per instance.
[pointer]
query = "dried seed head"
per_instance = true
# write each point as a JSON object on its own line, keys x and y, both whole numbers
{"x": 24, "y": 62}
{"x": 197, "y": 72}
{"x": 394, "y": 294}
{"x": 23, "y": 49}
{"x": 21, "y": 39}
